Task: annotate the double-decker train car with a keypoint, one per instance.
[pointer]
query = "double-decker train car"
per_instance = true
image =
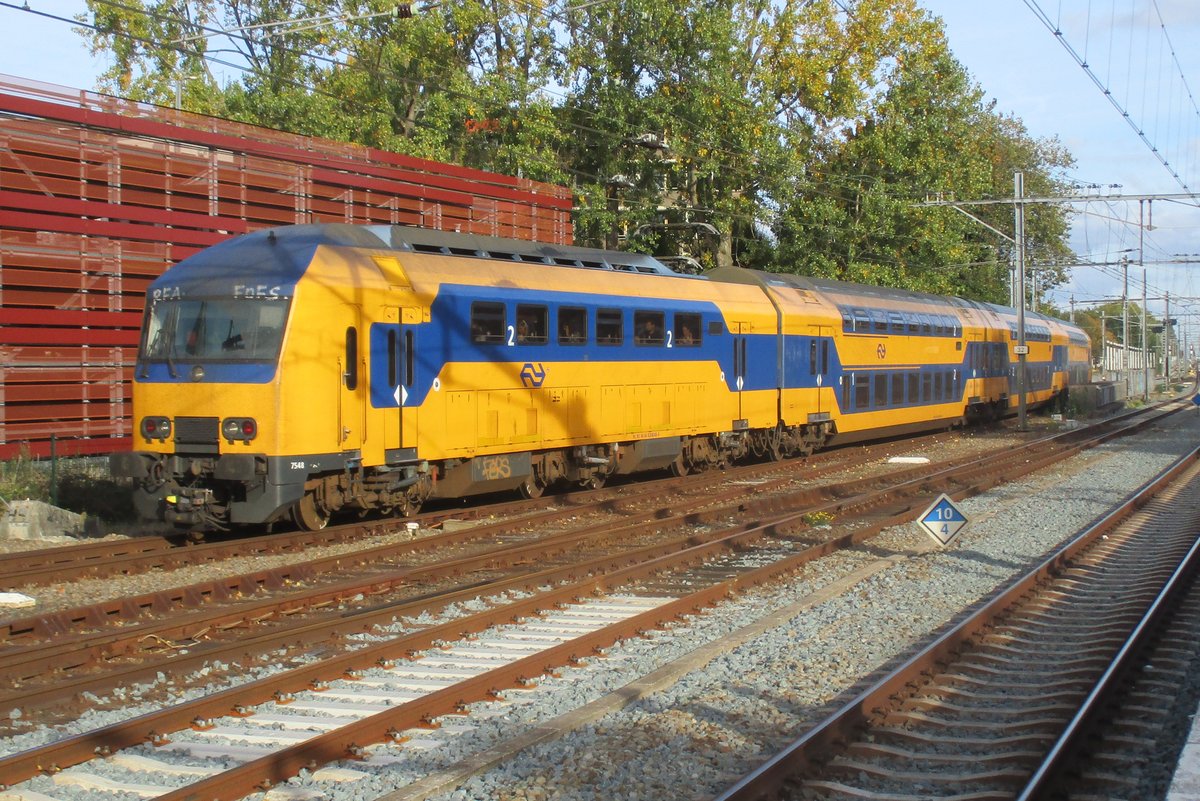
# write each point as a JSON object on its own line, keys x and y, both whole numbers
{"x": 299, "y": 371}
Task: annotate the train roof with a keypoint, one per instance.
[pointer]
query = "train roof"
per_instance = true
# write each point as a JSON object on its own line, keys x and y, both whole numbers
{"x": 449, "y": 243}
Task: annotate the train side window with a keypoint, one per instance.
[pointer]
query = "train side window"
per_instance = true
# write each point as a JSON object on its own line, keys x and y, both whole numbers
{"x": 847, "y": 318}
{"x": 925, "y": 324}
{"x": 687, "y": 330}
{"x": 862, "y": 392}
{"x": 648, "y": 328}
{"x": 939, "y": 387}
{"x": 845, "y": 393}
{"x": 881, "y": 390}
{"x": 879, "y": 320}
{"x": 926, "y": 387}
{"x": 913, "y": 324}
{"x": 487, "y": 322}
{"x": 393, "y": 358}
{"x": 896, "y": 322}
{"x": 608, "y": 327}
{"x": 350, "y": 372}
{"x": 914, "y": 393}
{"x": 572, "y": 326}
{"x": 812, "y": 357}
{"x": 898, "y": 389}
{"x": 862, "y": 322}
{"x": 409, "y": 358}
{"x": 531, "y": 324}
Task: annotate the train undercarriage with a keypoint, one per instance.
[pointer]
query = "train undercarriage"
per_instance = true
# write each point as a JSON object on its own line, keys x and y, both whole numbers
{"x": 205, "y": 492}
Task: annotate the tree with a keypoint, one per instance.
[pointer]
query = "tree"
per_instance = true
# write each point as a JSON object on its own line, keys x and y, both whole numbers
{"x": 855, "y": 214}
{"x": 796, "y": 135}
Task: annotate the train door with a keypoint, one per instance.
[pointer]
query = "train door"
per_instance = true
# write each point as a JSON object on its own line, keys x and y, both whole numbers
{"x": 351, "y": 368}
{"x": 739, "y": 331}
{"x": 819, "y": 364}
{"x": 399, "y": 427}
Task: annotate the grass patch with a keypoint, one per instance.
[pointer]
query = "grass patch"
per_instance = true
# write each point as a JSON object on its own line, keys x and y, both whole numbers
{"x": 84, "y": 486}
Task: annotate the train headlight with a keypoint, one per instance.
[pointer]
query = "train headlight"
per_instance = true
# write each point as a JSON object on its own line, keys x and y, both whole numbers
{"x": 156, "y": 428}
{"x": 239, "y": 429}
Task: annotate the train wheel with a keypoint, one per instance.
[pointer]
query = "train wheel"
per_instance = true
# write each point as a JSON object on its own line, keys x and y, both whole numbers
{"x": 679, "y": 467}
{"x": 309, "y": 515}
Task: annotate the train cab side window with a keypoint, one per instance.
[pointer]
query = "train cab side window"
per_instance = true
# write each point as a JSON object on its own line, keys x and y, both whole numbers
{"x": 572, "y": 326}
{"x": 648, "y": 328}
{"x": 487, "y": 322}
{"x": 608, "y": 327}
{"x": 531, "y": 324}
{"x": 350, "y": 370}
{"x": 687, "y": 330}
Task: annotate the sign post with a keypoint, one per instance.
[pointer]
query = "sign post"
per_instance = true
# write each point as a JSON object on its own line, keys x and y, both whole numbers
{"x": 943, "y": 520}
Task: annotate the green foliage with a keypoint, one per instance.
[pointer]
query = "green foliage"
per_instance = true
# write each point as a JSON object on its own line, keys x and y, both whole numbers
{"x": 82, "y": 487}
{"x": 797, "y": 135}
{"x": 22, "y": 478}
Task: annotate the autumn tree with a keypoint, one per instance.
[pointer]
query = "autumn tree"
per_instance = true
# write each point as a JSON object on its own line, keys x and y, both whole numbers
{"x": 795, "y": 135}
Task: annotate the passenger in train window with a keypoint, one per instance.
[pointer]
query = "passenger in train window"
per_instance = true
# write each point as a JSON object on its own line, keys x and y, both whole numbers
{"x": 685, "y": 335}
{"x": 522, "y": 330}
{"x": 650, "y": 335}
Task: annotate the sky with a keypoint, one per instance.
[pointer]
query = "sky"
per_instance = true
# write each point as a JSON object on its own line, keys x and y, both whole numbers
{"x": 1018, "y": 62}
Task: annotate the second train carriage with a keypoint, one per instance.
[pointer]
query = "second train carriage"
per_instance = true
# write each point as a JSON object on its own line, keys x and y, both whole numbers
{"x": 302, "y": 370}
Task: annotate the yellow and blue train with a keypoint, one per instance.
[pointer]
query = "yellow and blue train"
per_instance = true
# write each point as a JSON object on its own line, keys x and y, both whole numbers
{"x": 299, "y": 371}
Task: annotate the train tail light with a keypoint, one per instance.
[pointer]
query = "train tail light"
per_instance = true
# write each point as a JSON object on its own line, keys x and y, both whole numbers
{"x": 239, "y": 429}
{"x": 156, "y": 428}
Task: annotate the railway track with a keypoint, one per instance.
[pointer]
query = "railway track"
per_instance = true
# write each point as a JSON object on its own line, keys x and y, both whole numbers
{"x": 155, "y": 552}
{"x": 647, "y": 570}
{"x": 998, "y": 707}
{"x": 51, "y": 661}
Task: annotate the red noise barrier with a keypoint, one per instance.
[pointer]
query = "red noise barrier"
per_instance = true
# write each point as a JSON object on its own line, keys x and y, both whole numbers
{"x": 98, "y": 196}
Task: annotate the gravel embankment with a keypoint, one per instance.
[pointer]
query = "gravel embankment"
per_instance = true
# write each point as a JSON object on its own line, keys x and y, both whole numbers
{"x": 735, "y": 684}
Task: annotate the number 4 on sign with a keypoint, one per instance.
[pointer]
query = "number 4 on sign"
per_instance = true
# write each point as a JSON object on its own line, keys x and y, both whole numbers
{"x": 943, "y": 520}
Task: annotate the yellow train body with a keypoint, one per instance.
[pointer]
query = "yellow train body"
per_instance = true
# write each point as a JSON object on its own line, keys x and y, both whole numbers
{"x": 299, "y": 371}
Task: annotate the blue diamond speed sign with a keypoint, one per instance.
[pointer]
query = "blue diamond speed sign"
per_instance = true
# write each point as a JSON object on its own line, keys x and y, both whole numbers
{"x": 943, "y": 520}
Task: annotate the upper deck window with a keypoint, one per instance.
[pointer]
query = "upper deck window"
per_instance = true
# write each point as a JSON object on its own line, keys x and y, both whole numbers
{"x": 487, "y": 322}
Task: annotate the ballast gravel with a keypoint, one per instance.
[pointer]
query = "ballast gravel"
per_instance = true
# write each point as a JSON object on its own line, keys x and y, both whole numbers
{"x": 737, "y": 683}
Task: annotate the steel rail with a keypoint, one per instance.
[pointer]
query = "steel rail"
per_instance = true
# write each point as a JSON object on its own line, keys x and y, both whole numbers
{"x": 104, "y": 646}
{"x": 766, "y": 781}
{"x": 141, "y": 554}
{"x": 151, "y": 727}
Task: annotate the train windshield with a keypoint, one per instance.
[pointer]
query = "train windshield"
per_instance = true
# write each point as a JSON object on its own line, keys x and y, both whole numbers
{"x": 215, "y": 329}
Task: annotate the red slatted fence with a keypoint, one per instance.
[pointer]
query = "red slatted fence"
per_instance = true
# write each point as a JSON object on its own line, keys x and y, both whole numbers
{"x": 98, "y": 196}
